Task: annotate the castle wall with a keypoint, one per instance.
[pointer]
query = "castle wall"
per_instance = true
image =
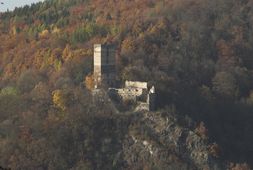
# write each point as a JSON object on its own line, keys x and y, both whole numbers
{"x": 144, "y": 98}
{"x": 130, "y": 93}
{"x": 136, "y": 84}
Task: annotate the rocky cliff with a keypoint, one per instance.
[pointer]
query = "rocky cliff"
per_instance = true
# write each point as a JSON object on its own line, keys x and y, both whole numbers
{"x": 160, "y": 140}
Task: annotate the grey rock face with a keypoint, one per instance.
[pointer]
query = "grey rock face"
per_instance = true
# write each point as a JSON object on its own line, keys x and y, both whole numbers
{"x": 163, "y": 143}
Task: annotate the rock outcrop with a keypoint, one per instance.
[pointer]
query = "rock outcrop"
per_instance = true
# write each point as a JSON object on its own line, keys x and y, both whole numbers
{"x": 157, "y": 140}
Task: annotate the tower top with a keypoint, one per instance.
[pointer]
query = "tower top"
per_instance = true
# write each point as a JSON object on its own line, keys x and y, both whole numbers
{"x": 104, "y": 45}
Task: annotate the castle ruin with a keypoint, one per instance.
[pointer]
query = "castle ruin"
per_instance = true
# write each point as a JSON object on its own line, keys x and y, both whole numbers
{"x": 104, "y": 75}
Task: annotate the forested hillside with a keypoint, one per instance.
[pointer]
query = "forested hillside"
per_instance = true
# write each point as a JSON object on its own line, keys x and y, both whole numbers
{"x": 197, "y": 53}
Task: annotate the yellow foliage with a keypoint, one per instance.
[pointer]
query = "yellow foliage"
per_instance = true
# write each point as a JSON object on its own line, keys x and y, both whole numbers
{"x": 67, "y": 53}
{"x": 44, "y": 34}
{"x": 14, "y": 31}
{"x": 60, "y": 99}
{"x": 56, "y": 30}
{"x": 128, "y": 44}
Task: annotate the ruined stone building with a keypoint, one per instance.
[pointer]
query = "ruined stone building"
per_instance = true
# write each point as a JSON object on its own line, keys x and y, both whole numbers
{"x": 136, "y": 92}
{"x": 104, "y": 65}
{"x": 105, "y": 76}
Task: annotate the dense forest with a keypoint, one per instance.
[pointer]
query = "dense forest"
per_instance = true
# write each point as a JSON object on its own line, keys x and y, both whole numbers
{"x": 197, "y": 53}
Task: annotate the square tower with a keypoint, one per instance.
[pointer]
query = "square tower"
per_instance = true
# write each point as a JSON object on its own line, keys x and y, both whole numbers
{"x": 104, "y": 65}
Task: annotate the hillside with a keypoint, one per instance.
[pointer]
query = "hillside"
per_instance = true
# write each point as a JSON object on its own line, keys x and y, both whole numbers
{"x": 197, "y": 53}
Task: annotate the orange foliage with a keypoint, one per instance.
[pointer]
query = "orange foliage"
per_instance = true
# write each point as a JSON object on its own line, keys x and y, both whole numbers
{"x": 89, "y": 82}
{"x": 202, "y": 131}
{"x": 214, "y": 150}
{"x": 44, "y": 34}
{"x": 237, "y": 166}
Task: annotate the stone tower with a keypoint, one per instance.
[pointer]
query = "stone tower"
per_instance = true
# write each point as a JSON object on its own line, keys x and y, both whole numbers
{"x": 104, "y": 65}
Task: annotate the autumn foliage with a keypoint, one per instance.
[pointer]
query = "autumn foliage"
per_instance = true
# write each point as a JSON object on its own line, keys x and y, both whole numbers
{"x": 198, "y": 54}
